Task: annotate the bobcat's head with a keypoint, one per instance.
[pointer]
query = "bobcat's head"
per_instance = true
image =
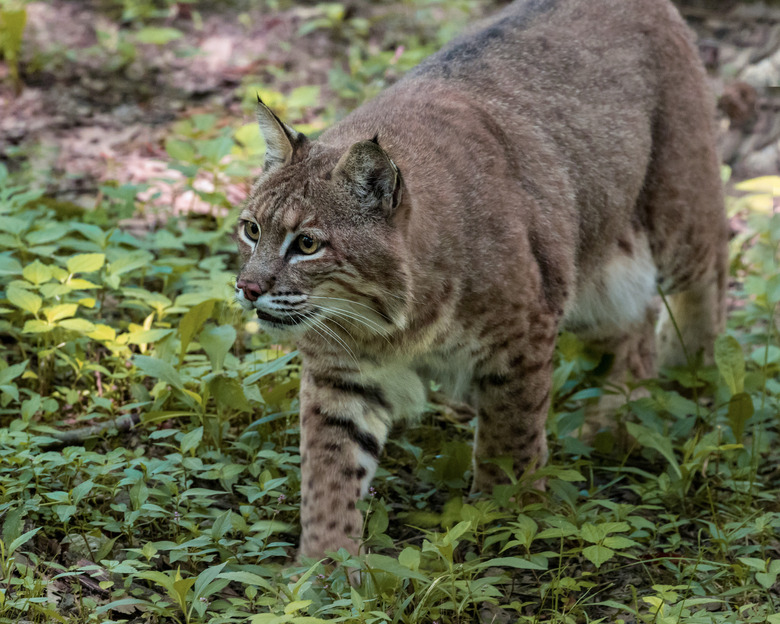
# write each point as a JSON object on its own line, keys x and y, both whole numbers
{"x": 318, "y": 238}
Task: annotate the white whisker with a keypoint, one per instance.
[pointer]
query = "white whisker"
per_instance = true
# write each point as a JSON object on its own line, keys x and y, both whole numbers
{"x": 353, "y": 317}
{"x": 318, "y": 323}
{"x": 349, "y": 301}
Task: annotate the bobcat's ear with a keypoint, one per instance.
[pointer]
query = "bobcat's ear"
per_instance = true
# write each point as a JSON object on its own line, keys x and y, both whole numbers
{"x": 371, "y": 176}
{"x": 281, "y": 141}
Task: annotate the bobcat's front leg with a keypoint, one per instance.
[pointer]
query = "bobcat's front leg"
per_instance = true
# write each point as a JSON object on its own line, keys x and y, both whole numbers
{"x": 513, "y": 394}
{"x": 344, "y": 425}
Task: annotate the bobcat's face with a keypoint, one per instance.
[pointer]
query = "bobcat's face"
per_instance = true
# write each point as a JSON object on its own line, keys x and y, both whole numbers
{"x": 316, "y": 251}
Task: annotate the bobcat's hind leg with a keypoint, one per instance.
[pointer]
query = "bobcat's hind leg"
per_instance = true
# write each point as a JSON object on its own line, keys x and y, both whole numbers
{"x": 681, "y": 207}
{"x": 633, "y": 354}
{"x": 699, "y": 315}
{"x": 614, "y": 314}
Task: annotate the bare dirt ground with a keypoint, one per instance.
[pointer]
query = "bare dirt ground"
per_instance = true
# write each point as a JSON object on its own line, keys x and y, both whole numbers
{"x": 92, "y": 110}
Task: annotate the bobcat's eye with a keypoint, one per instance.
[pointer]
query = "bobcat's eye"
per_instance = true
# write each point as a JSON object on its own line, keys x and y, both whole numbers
{"x": 252, "y": 230}
{"x": 307, "y": 244}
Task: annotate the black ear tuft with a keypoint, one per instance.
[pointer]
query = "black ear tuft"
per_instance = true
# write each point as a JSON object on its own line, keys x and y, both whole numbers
{"x": 281, "y": 141}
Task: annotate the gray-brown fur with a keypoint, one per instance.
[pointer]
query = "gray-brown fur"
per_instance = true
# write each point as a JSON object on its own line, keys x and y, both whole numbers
{"x": 543, "y": 171}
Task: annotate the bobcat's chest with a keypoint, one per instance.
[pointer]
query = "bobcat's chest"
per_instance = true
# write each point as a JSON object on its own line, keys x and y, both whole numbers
{"x": 450, "y": 368}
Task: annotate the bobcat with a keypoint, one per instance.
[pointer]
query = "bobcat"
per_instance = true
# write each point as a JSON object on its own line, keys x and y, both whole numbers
{"x": 551, "y": 169}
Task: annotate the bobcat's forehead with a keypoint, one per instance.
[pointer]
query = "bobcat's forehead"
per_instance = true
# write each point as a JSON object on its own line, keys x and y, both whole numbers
{"x": 295, "y": 197}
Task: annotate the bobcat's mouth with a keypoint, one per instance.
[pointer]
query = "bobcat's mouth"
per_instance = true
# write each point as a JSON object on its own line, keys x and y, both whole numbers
{"x": 290, "y": 319}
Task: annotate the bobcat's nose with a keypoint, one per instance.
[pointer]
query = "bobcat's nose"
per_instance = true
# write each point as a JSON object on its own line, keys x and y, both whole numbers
{"x": 251, "y": 290}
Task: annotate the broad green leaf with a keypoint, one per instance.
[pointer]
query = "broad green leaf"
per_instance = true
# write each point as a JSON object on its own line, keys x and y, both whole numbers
{"x": 163, "y": 580}
{"x": 250, "y": 137}
{"x": 653, "y": 439}
{"x": 740, "y": 411}
{"x": 180, "y": 588}
{"x": 766, "y": 354}
{"x": 37, "y": 327}
{"x": 598, "y": 555}
{"x": 378, "y": 521}
{"x": 754, "y": 563}
{"x": 21, "y": 540}
{"x": 191, "y": 323}
{"x": 12, "y": 372}
{"x": 180, "y": 150}
{"x": 58, "y": 496}
{"x": 149, "y": 551}
{"x": 139, "y": 494}
{"x": 306, "y": 96}
{"x": 271, "y": 367}
{"x": 393, "y": 567}
{"x": 154, "y": 367}
{"x": 229, "y": 393}
{"x": 560, "y": 528}
{"x": 615, "y": 527}
{"x": 409, "y": 557}
{"x": 86, "y": 263}
{"x": 216, "y": 342}
{"x": 457, "y": 531}
{"x": 76, "y": 324}
{"x": 157, "y": 35}
{"x": 14, "y": 524}
{"x": 206, "y": 577}
{"x": 103, "y": 332}
{"x": 267, "y": 527}
{"x": 618, "y": 541}
{"x": 24, "y": 299}
{"x": 773, "y": 289}
{"x": 247, "y": 578}
{"x": 357, "y": 599}
{"x": 9, "y": 265}
{"x": 37, "y": 273}
{"x": 511, "y": 562}
{"x": 567, "y": 474}
{"x": 8, "y": 390}
{"x": 204, "y": 121}
{"x": 191, "y": 440}
{"x": 295, "y": 606}
{"x": 221, "y": 525}
{"x": 148, "y": 336}
{"x": 525, "y": 530}
{"x": 65, "y": 512}
{"x": 592, "y": 533}
{"x": 31, "y": 406}
{"x": 81, "y": 490}
{"x": 769, "y": 578}
{"x": 13, "y": 225}
{"x": 48, "y": 234}
{"x": 130, "y": 261}
{"x": 731, "y": 362}
{"x": 61, "y": 311}
{"x": 76, "y": 283}
{"x": 217, "y": 148}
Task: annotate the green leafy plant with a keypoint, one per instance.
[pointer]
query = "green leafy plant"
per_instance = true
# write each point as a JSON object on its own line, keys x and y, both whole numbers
{"x": 149, "y": 464}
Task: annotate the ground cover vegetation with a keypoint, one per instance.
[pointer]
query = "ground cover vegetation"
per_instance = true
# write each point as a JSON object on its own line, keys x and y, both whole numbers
{"x": 149, "y": 469}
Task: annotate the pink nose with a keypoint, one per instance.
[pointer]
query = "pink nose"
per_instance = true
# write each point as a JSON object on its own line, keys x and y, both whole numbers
{"x": 251, "y": 290}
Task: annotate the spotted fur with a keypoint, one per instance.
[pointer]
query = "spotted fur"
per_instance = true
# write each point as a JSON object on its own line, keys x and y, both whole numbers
{"x": 551, "y": 168}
